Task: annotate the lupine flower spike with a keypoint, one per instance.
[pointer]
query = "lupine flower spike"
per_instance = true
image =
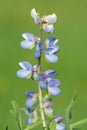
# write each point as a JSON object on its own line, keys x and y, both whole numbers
{"x": 48, "y": 86}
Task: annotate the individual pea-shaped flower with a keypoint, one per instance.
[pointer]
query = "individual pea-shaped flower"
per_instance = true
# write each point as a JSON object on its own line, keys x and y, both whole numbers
{"x": 47, "y": 103}
{"x": 51, "y": 50}
{"x": 35, "y": 16}
{"x": 49, "y": 42}
{"x": 59, "y": 125}
{"x": 48, "y": 21}
{"x": 32, "y": 116}
{"x": 32, "y": 99}
{"x": 30, "y": 40}
{"x": 27, "y": 70}
{"x": 48, "y": 82}
{"x": 47, "y": 107}
{"x": 59, "y": 119}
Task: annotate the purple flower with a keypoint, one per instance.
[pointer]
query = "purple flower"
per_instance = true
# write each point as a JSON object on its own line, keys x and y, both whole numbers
{"x": 47, "y": 107}
{"x": 32, "y": 116}
{"x": 60, "y": 126}
{"x": 35, "y": 16}
{"x": 49, "y": 112}
{"x": 47, "y": 103}
{"x": 59, "y": 119}
{"x": 51, "y": 41}
{"x": 48, "y": 28}
{"x": 27, "y": 70}
{"x": 51, "y": 50}
{"x": 31, "y": 101}
{"x": 46, "y": 81}
{"x": 30, "y": 40}
{"x": 47, "y": 20}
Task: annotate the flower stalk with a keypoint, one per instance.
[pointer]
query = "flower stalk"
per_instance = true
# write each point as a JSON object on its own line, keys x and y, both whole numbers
{"x": 39, "y": 88}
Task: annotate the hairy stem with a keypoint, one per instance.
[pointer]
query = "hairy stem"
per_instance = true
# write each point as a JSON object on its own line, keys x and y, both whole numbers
{"x": 39, "y": 88}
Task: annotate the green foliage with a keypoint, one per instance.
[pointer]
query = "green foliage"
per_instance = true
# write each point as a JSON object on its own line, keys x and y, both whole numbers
{"x": 29, "y": 127}
{"x": 6, "y": 127}
{"x": 16, "y": 112}
{"x": 81, "y": 122}
{"x": 69, "y": 110}
{"x": 52, "y": 125}
{"x": 73, "y": 126}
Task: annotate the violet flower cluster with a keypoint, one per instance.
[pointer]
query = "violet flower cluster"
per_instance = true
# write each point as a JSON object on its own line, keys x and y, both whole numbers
{"x": 37, "y": 103}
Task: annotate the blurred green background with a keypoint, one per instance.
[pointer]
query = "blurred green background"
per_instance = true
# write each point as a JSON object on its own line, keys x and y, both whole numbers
{"x": 70, "y": 28}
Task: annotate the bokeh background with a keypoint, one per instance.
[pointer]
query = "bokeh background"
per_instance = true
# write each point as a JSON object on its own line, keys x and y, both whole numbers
{"x": 71, "y": 29}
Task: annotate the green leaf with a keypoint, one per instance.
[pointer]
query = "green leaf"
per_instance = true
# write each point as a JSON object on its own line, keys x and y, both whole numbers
{"x": 16, "y": 112}
{"x": 52, "y": 125}
{"x": 69, "y": 110}
{"x": 75, "y": 128}
{"x": 15, "y": 106}
{"x": 13, "y": 113}
{"x": 6, "y": 127}
{"x": 81, "y": 122}
{"x": 29, "y": 127}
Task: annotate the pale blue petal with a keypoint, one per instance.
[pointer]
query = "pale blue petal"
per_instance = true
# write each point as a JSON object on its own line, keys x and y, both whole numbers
{"x": 28, "y": 36}
{"x": 24, "y": 73}
{"x": 25, "y": 65}
{"x": 36, "y": 19}
{"x": 54, "y": 91}
{"x": 60, "y": 126}
{"x": 27, "y": 44}
{"x": 50, "y": 73}
{"x": 30, "y": 121}
{"x": 37, "y": 54}
{"x": 51, "y": 50}
{"x": 49, "y": 28}
{"x": 51, "y": 58}
{"x": 41, "y": 77}
{"x": 48, "y": 111}
{"x": 43, "y": 84}
{"x": 51, "y": 18}
{"x": 30, "y": 102}
{"x": 51, "y": 41}
{"x": 54, "y": 83}
{"x": 30, "y": 94}
{"x": 35, "y": 16}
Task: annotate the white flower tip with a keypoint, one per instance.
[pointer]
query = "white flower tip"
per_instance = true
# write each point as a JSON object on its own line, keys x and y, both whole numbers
{"x": 33, "y": 11}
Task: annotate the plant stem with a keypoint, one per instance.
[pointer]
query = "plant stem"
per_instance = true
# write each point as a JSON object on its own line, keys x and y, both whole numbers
{"x": 39, "y": 88}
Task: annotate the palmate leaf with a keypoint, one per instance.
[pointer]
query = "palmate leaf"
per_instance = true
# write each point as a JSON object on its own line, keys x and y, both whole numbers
{"x": 16, "y": 112}
{"x": 69, "y": 109}
{"x": 29, "y": 127}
